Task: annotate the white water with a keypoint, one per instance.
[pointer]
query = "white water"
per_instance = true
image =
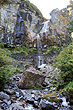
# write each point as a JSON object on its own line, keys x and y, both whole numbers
{"x": 39, "y": 47}
{"x": 45, "y": 27}
{"x": 64, "y": 103}
{"x": 39, "y": 44}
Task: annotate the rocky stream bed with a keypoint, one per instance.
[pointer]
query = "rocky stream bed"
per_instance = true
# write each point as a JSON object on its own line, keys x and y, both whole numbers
{"x": 14, "y": 98}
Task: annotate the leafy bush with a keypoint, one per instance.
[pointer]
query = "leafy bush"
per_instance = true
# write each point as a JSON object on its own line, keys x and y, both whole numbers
{"x": 6, "y": 67}
{"x": 71, "y": 26}
{"x": 23, "y": 49}
{"x": 1, "y": 45}
{"x": 68, "y": 89}
{"x": 65, "y": 63}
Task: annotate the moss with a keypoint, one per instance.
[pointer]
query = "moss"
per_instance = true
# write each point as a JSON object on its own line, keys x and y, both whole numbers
{"x": 47, "y": 91}
{"x": 53, "y": 97}
{"x": 32, "y": 7}
{"x": 49, "y": 95}
{"x": 57, "y": 100}
{"x": 51, "y": 85}
{"x": 24, "y": 48}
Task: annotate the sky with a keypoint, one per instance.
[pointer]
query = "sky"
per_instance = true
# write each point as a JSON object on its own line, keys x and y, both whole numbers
{"x": 46, "y": 6}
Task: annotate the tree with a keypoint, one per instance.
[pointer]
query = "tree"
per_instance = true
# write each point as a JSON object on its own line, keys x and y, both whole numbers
{"x": 71, "y": 3}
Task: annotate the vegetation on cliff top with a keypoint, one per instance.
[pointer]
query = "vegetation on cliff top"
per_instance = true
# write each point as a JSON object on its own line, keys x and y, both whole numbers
{"x": 30, "y": 5}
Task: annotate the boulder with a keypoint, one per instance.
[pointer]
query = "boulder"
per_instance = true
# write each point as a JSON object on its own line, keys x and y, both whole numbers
{"x": 4, "y": 96}
{"x": 9, "y": 91}
{"x": 31, "y": 78}
{"x": 45, "y": 105}
{"x": 16, "y": 106}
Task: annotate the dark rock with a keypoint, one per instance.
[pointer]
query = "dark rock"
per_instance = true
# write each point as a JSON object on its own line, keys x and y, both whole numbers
{"x": 30, "y": 100}
{"x": 36, "y": 104}
{"x": 31, "y": 78}
{"x": 45, "y": 105}
{"x": 15, "y": 106}
{"x": 9, "y": 91}
{"x": 4, "y": 96}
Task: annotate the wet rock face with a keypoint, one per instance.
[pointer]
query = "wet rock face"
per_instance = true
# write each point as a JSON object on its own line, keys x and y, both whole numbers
{"x": 46, "y": 105}
{"x": 8, "y": 13}
{"x": 4, "y": 96}
{"x": 20, "y": 31}
{"x": 18, "y": 23}
{"x": 31, "y": 78}
{"x": 55, "y": 31}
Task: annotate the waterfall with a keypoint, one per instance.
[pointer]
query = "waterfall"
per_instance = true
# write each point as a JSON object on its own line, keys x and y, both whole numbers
{"x": 45, "y": 27}
{"x": 39, "y": 48}
{"x": 39, "y": 44}
{"x": 64, "y": 103}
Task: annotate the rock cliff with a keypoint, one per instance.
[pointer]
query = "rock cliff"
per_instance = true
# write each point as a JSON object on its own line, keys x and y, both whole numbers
{"x": 20, "y": 21}
{"x": 56, "y": 29}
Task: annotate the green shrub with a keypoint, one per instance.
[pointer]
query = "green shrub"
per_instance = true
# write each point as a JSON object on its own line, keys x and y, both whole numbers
{"x": 71, "y": 26}
{"x": 6, "y": 67}
{"x": 68, "y": 89}
{"x": 1, "y": 45}
{"x": 65, "y": 63}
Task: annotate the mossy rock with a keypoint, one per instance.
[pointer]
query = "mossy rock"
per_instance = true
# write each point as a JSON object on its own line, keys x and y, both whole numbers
{"x": 53, "y": 97}
{"x": 57, "y": 100}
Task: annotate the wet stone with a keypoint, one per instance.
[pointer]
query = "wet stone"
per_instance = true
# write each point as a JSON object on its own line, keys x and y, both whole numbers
{"x": 46, "y": 105}
{"x": 36, "y": 104}
{"x": 9, "y": 91}
{"x": 15, "y": 106}
{"x": 4, "y": 96}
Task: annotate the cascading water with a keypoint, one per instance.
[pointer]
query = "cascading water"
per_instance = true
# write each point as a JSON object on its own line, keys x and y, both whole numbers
{"x": 39, "y": 48}
{"x": 39, "y": 44}
{"x": 45, "y": 27}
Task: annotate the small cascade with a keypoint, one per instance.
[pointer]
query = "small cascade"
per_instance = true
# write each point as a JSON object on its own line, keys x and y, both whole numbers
{"x": 45, "y": 27}
{"x": 39, "y": 47}
{"x": 39, "y": 44}
{"x": 64, "y": 103}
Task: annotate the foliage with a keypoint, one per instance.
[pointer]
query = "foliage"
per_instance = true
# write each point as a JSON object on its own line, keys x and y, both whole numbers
{"x": 6, "y": 67}
{"x": 71, "y": 2}
{"x": 65, "y": 63}
{"x": 71, "y": 26}
{"x": 68, "y": 89}
{"x": 32, "y": 7}
{"x": 6, "y": 71}
{"x": 23, "y": 48}
{"x": 53, "y": 49}
{"x": 1, "y": 45}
